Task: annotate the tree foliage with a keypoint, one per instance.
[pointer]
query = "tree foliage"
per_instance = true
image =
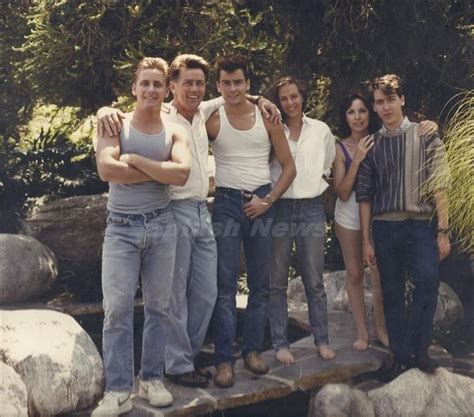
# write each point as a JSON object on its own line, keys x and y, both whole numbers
{"x": 80, "y": 53}
{"x": 15, "y": 93}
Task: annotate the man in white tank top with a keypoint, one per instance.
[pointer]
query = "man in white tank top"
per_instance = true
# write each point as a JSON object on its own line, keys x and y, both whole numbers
{"x": 243, "y": 212}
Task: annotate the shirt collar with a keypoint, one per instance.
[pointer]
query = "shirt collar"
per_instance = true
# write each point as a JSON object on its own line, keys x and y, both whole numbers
{"x": 405, "y": 124}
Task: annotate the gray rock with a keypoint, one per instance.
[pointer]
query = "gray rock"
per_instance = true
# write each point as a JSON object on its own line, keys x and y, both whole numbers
{"x": 27, "y": 268}
{"x": 56, "y": 359}
{"x": 335, "y": 286}
{"x": 416, "y": 394}
{"x": 13, "y": 395}
{"x": 449, "y": 309}
{"x": 339, "y": 400}
{"x": 74, "y": 230}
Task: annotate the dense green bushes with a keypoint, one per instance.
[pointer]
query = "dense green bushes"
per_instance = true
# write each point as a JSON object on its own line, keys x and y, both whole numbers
{"x": 79, "y": 53}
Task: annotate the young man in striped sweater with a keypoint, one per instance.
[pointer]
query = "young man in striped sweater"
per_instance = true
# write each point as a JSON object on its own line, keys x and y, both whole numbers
{"x": 405, "y": 235}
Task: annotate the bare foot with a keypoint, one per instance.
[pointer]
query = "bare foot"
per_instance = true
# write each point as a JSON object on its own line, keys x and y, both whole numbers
{"x": 326, "y": 352}
{"x": 382, "y": 336}
{"x": 361, "y": 344}
{"x": 285, "y": 356}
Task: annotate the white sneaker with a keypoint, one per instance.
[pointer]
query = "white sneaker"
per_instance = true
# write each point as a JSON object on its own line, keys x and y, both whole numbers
{"x": 155, "y": 392}
{"x": 113, "y": 404}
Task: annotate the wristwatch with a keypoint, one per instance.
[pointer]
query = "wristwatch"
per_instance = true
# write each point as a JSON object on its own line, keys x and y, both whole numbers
{"x": 270, "y": 198}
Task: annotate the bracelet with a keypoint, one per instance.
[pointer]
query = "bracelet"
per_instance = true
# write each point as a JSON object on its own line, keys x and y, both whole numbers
{"x": 443, "y": 231}
{"x": 270, "y": 198}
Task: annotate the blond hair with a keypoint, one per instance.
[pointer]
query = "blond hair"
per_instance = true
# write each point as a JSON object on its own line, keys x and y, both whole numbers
{"x": 152, "y": 63}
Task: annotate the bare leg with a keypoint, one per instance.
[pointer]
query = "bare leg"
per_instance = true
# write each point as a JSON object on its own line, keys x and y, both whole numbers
{"x": 350, "y": 241}
{"x": 284, "y": 356}
{"x": 380, "y": 332}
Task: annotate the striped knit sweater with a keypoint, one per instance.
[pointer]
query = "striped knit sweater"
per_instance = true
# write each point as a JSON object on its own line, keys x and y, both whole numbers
{"x": 395, "y": 168}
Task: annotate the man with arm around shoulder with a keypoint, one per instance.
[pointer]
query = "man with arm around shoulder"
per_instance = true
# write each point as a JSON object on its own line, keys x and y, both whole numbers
{"x": 241, "y": 142}
{"x": 403, "y": 228}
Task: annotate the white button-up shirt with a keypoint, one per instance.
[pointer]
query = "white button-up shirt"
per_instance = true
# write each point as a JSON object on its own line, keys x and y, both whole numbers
{"x": 197, "y": 186}
{"x": 314, "y": 155}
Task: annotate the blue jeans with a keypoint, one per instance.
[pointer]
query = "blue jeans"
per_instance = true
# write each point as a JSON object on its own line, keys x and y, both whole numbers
{"x": 194, "y": 290}
{"x": 401, "y": 246}
{"x": 232, "y": 227}
{"x": 303, "y": 222}
{"x": 134, "y": 245}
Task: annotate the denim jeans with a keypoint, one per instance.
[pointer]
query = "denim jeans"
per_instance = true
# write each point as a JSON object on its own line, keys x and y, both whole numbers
{"x": 400, "y": 246}
{"x": 299, "y": 221}
{"x": 194, "y": 289}
{"x": 136, "y": 245}
{"x": 232, "y": 227}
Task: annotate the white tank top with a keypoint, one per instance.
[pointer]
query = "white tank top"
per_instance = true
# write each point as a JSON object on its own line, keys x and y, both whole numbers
{"x": 242, "y": 156}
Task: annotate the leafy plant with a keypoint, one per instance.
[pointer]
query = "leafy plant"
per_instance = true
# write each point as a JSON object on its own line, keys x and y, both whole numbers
{"x": 459, "y": 170}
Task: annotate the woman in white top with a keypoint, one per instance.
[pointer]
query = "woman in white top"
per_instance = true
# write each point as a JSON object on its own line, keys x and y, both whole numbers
{"x": 300, "y": 219}
{"x": 357, "y": 121}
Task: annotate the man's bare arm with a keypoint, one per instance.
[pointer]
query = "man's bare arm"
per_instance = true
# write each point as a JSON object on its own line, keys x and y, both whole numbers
{"x": 110, "y": 168}
{"x": 257, "y": 206}
{"x": 213, "y": 125}
{"x": 174, "y": 172}
{"x": 442, "y": 211}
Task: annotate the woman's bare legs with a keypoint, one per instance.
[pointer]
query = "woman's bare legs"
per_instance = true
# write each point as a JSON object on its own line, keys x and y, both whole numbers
{"x": 350, "y": 241}
{"x": 380, "y": 331}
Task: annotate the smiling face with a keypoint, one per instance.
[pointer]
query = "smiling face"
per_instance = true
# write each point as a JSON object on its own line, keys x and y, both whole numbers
{"x": 233, "y": 86}
{"x": 291, "y": 101}
{"x": 150, "y": 89}
{"x": 188, "y": 89}
{"x": 389, "y": 108}
{"x": 357, "y": 117}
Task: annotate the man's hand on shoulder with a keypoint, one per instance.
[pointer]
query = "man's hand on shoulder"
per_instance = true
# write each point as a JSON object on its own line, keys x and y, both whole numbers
{"x": 109, "y": 120}
{"x": 269, "y": 110}
{"x": 427, "y": 127}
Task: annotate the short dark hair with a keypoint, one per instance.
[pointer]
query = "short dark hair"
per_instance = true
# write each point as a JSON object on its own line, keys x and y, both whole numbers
{"x": 346, "y": 103}
{"x": 274, "y": 91}
{"x": 188, "y": 61}
{"x": 232, "y": 63}
{"x": 388, "y": 83}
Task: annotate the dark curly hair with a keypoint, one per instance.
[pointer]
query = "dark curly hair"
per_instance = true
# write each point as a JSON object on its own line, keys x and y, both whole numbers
{"x": 344, "y": 129}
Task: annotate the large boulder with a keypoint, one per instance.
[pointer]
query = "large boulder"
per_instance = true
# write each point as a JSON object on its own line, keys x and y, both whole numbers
{"x": 339, "y": 400}
{"x": 13, "y": 395}
{"x": 417, "y": 394}
{"x": 56, "y": 359}
{"x": 74, "y": 230}
{"x": 27, "y": 268}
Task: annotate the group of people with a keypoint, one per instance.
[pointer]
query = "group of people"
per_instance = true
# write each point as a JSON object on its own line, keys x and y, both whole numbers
{"x": 269, "y": 180}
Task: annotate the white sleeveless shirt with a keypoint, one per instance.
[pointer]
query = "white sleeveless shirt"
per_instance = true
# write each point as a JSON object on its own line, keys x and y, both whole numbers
{"x": 242, "y": 156}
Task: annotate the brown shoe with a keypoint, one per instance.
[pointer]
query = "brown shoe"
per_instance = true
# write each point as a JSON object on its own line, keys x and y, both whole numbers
{"x": 224, "y": 377}
{"x": 254, "y": 362}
